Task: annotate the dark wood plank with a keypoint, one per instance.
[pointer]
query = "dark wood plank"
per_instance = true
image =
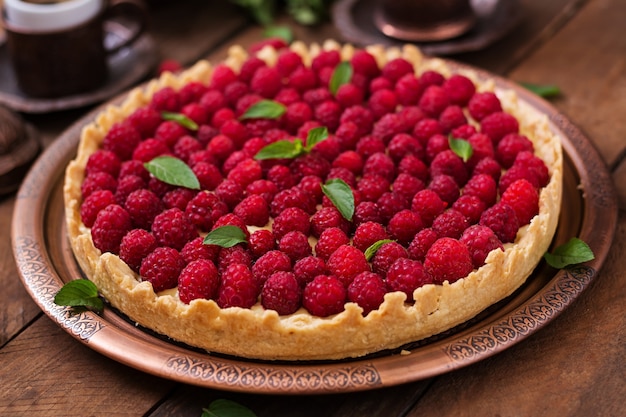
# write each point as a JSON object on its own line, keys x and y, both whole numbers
{"x": 45, "y": 372}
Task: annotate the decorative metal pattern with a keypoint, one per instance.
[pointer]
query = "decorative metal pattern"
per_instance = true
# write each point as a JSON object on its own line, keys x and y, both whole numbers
{"x": 569, "y": 284}
{"x": 292, "y": 379}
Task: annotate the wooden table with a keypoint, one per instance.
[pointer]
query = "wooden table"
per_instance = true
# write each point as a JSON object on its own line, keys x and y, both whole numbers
{"x": 576, "y": 366}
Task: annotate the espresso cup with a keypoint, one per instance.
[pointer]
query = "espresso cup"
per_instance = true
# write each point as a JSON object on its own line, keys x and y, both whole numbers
{"x": 57, "y": 48}
{"x": 424, "y": 20}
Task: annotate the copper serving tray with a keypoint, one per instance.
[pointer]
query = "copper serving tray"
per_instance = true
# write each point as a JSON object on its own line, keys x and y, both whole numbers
{"x": 45, "y": 262}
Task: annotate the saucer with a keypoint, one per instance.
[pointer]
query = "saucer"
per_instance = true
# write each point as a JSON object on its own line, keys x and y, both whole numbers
{"x": 126, "y": 66}
{"x": 354, "y": 19}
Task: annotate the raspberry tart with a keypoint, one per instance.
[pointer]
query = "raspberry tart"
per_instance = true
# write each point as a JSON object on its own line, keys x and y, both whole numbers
{"x": 344, "y": 201}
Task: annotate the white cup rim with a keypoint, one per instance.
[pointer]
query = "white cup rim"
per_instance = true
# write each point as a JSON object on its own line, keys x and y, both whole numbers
{"x": 50, "y": 17}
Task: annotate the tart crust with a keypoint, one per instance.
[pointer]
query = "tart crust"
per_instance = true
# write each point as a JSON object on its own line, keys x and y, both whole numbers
{"x": 263, "y": 334}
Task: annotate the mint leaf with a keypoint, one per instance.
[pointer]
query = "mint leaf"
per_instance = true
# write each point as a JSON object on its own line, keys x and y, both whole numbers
{"x": 546, "y": 90}
{"x": 341, "y": 75}
{"x": 225, "y": 236}
{"x": 461, "y": 148}
{"x": 181, "y": 119}
{"x": 341, "y": 196}
{"x": 282, "y": 32}
{"x": 282, "y": 149}
{"x": 315, "y": 136}
{"x": 264, "y": 109}
{"x": 575, "y": 251}
{"x": 227, "y": 408}
{"x": 81, "y": 294}
{"x": 173, "y": 171}
{"x": 371, "y": 251}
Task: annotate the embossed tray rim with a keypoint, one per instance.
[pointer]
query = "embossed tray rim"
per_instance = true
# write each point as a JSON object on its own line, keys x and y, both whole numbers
{"x": 45, "y": 262}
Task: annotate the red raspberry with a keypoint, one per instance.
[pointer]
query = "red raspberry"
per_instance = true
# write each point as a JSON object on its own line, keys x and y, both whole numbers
{"x": 368, "y": 233}
{"x": 296, "y": 245}
{"x": 232, "y": 219}
{"x": 296, "y": 114}
{"x": 159, "y": 187}
{"x": 372, "y": 187}
{"x": 396, "y": 69}
{"x": 452, "y": 117}
{"x": 169, "y": 132}
{"x": 178, "y": 198}
{"x": 480, "y": 240}
{"x": 366, "y": 211}
{"x": 329, "y": 241}
{"x": 448, "y": 260}
{"x": 196, "y": 112}
{"x": 404, "y": 225}
{"x": 185, "y": 146}
{"x": 488, "y": 166}
{"x": 404, "y": 144}
{"x": 165, "y": 99}
{"x": 498, "y": 125}
{"x": 369, "y": 145}
{"x": 287, "y": 62}
{"x": 122, "y": 139}
{"x": 449, "y": 163}
{"x": 132, "y": 167}
{"x": 382, "y": 102}
{"x": 246, "y": 172}
{"x": 260, "y": 242}
{"x": 272, "y": 42}
{"x": 192, "y": 92}
{"x": 233, "y": 255}
{"x": 470, "y": 206}
{"x": 196, "y": 249}
{"x": 428, "y": 205}
{"x": 328, "y": 114}
{"x": 407, "y": 275}
{"x": 110, "y": 226}
{"x": 269, "y": 263}
{"x": 172, "y": 228}
{"x": 291, "y": 219}
{"x": 482, "y": 147}
{"x": 364, "y": 63}
{"x": 425, "y": 129}
{"x": 379, "y": 164}
{"x": 510, "y": 146}
{"x": 516, "y": 173}
{"x": 281, "y": 176}
{"x": 312, "y": 185}
{"x": 103, "y": 161}
{"x": 524, "y": 198}
{"x": 92, "y": 205}
{"x": 126, "y": 185}
{"x": 450, "y": 223}
{"x": 235, "y": 130}
{"x": 434, "y": 100}
{"x": 423, "y": 240}
{"x": 386, "y": 255}
{"x": 307, "y": 268}
{"x": 311, "y": 164}
{"x": 408, "y": 89}
{"x": 150, "y": 149}
{"x": 161, "y": 268}
{"x": 389, "y": 204}
{"x": 431, "y": 77}
{"x": 406, "y": 186}
{"x": 212, "y": 101}
{"x": 482, "y": 186}
{"x": 436, "y": 144}
{"x": 282, "y": 293}
{"x": 204, "y": 209}
{"x": 238, "y": 287}
{"x": 346, "y": 263}
{"x": 360, "y": 116}
{"x": 536, "y": 166}
{"x": 368, "y": 291}
{"x": 292, "y": 197}
{"x": 326, "y": 58}
{"x": 98, "y": 181}
{"x": 460, "y": 89}
{"x": 349, "y": 160}
{"x": 222, "y": 76}
{"x": 234, "y": 91}
{"x": 413, "y": 166}
{"x": 198, "y": 279}
{"x": 253, "y": 210}
{"x": 482, "y": 105}
{"x": 501, "y": 218}
{"x": 302, "y": 79}
{"x": 388, "y": 126}
{"x": 209, "y": 176}
{"x": 222, "y": 116}
{"x": 135, "y": 246}
{"x": 326, "y": 218}
{"x": 347, "y": 135}
{"x": 464, "y": 131}
{"x": 446, "y": 187}
{"x": 324, "y": 296}
{"x": 202, "y": 156}
{"x": 349, "y": 95}
{"x": 317, "y": 96}
{"x": 230, "y": 193}
{"x": 265, "y": 188}
{"x": 143, "y": 206}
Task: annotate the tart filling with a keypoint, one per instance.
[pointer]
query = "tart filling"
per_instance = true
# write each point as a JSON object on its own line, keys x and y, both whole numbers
{"x": 427, "y": 288}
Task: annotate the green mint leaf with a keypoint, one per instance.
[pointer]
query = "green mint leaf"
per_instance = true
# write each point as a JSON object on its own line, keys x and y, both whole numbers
{"x": 575, "y": 251}
{"x": 282, "y": 149}
{"x": 227, "y": 408}
{"x": 283, "y": 32}
{"x": 461, "y": 148}
{"x": 225, "y": 236}
{"x": 371, "y": 251}
{"x": 341, "y": 196}
{"x": 264, "y": 109}
{"x": 181, "y": 119}
{"x": 173, "y": 171}
{"x": 81, "y": 294}
{"x": 341, "y": 75}
{"x": 315, "y": 136}
{"x": 546, "y": 91}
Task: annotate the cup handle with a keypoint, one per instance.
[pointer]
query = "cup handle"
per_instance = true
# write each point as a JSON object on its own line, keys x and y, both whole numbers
{"x": 135, "y": 11}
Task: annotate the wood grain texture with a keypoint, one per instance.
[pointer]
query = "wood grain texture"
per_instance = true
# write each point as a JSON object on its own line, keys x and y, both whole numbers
{"x": 46, "y": 372}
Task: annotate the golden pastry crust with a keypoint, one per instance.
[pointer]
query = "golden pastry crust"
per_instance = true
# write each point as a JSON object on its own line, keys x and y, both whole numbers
{"x": 263, "y": 334}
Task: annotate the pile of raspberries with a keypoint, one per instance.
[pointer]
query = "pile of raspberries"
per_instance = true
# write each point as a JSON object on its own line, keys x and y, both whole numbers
{"x": 437, "y": 215}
